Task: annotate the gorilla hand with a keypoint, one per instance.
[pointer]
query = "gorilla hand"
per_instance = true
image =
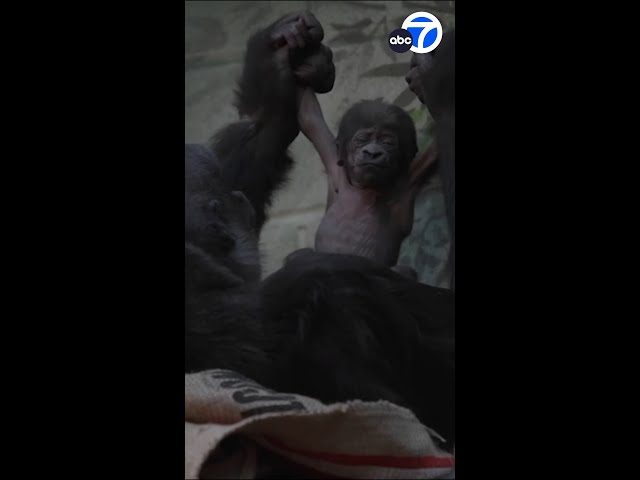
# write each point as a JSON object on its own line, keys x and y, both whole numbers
{"x": 296, "y": 30}
{"x": 432, "y": 76}
{"x": 421, "y": 64}
{"x": 313, "y": 67}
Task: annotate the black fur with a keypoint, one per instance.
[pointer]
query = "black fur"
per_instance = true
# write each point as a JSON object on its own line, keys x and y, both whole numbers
{"x": 222, "y": 271}
{"x": 255, "y": 160}
{"x": 335, "y": 327}
{"x": 253, "y": 152}
{"x": 363, "y": 331}
{"x": 222, "y": 265}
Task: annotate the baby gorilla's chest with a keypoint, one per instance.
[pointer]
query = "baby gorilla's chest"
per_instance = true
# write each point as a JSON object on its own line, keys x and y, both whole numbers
{"x": 366, "y": 229}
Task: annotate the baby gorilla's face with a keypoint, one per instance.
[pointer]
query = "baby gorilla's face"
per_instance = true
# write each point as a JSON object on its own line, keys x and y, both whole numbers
{"x": 374, "y": 158}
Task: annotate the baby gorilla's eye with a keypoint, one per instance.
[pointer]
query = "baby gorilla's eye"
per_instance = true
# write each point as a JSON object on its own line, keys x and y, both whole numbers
{"x": 361, "y": 138}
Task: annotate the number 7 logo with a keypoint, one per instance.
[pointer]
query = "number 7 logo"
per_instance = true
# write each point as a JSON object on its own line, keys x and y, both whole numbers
{"x": 425, "y": 30}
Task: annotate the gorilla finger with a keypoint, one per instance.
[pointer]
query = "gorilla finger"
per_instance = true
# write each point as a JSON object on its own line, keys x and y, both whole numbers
{"x": 304, "y": 71}
{"x": 300, "y": 39}
{"x": 290, "y": 36}
{"x": 304, "y": 31}
{"x": 310, "y": 19}
{"x": 295, "y": 34}
{"x": 278, "y": 40}
{"x": 301, "y": 27}
{"x": 313, "y": 26}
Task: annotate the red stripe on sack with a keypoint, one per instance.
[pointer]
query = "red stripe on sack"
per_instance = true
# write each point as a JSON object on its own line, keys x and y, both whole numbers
{"x": 372, "y": 460}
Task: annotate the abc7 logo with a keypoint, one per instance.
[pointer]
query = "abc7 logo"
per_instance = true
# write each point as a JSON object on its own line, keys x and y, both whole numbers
{"x": 421, "y": 32}
{"x": 426, "y": 31}
{"x": 400, "y": 40}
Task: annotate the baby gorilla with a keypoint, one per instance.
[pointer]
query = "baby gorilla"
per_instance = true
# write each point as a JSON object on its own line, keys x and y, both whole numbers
{"x": 372, "y": 180}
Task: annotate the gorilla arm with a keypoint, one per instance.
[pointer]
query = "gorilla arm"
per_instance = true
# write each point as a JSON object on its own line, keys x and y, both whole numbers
{"x": 432, "y": 78}
{"x": 315, "y": 128}
{"x": 253, "y": 151}
{"x": 420, "y": 169}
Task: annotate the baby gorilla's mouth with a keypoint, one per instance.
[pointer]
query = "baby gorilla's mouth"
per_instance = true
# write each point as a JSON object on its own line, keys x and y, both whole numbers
{"x": 379, "y": 166}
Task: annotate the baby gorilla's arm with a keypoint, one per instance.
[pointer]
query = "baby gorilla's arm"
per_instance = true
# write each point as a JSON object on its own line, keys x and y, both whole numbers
{"x": 421, "y": 167}
{"x": 314, "y": 127}
{"x": 408, "y": 191}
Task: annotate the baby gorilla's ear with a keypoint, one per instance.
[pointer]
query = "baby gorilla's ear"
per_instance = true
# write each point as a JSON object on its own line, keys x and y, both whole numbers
{"x": 313, "y": 67}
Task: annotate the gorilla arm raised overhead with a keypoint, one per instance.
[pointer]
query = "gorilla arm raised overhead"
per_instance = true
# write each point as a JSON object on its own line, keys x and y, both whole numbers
{"x": 253, "y": 151}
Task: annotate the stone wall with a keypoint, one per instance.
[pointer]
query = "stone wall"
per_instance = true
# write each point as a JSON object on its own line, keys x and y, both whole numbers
{"x": 366, "y": 68}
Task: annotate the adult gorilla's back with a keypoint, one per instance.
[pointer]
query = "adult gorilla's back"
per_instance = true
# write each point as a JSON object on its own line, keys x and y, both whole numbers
{"x": 365, "y": 332}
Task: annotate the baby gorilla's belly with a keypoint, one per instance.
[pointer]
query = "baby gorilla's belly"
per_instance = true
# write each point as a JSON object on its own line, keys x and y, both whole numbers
{"x": 364, "y": 235}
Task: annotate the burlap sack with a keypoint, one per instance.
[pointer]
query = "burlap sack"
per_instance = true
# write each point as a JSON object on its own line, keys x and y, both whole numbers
{"x": 344, "y": 440}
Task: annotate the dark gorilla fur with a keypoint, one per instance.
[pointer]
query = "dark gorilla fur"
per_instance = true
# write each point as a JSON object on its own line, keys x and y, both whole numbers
{"x": 360, "y": 330}
{"x": 253, "y": 151}
{"x": 222, "y": 265}
{"x": 335, "y": 327}
{"x": 222, "y": 271}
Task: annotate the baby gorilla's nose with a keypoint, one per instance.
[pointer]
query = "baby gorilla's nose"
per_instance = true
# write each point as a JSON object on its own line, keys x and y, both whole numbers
{"x": 372, "y": 151}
